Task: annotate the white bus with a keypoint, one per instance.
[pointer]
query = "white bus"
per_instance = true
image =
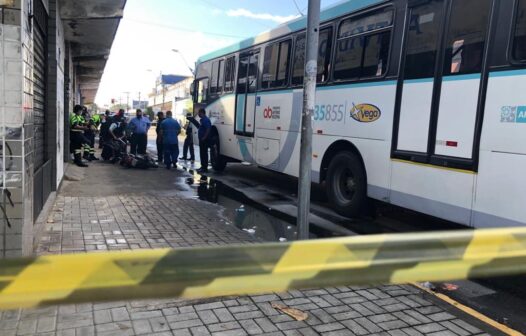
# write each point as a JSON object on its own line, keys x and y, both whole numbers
{"x": 420, "y": 103}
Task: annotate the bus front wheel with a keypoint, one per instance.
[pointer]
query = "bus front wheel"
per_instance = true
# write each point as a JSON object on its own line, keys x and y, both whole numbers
{"x": 217, "y": 160}
{"x": 346, "y": 184}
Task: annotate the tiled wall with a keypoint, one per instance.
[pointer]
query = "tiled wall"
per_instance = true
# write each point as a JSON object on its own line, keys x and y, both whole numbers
{"x": 17, "y": 121}
{"x": 57, "y": 51}
{"x": 12, "y": 101}
{"x": 27, "y": 112}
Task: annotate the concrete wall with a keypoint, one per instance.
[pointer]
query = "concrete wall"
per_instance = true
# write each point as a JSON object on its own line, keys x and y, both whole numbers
{"x": 17, "y": 122}
{"x": 55, "y": 93}
{"x": 16, "y": 106}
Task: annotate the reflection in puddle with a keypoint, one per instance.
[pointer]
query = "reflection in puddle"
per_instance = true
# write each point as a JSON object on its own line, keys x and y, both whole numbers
{"x": 255, "y": 222}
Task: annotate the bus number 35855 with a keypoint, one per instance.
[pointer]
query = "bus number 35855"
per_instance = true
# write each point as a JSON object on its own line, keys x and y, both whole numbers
{"x": 329, "y": 112}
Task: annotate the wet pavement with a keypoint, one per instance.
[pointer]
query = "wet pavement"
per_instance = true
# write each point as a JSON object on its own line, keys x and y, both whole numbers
{"x": 273, "y": 199}
{"x": 113, "y": 208}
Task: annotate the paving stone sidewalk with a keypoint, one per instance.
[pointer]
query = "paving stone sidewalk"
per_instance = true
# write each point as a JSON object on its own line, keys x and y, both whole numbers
{"x": 153, "y": 218}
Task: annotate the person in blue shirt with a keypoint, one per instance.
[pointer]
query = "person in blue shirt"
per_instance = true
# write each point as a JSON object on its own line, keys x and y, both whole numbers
{"x": 170, "y": 130}
{"x": 139, "y": 127}
{"x": 205, "y": 127}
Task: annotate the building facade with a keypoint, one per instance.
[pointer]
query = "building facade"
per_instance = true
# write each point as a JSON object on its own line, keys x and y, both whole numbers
{"x": 53, "y": 54}
{"x": 169, "y": 89}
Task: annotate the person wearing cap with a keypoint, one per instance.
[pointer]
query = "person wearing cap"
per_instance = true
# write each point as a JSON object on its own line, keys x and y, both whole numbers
{"x": 159, "y": 141}
{"x": 188, "y": 141}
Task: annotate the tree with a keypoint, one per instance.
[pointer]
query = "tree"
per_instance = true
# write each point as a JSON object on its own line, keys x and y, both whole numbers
{"x": 149, "y": 112}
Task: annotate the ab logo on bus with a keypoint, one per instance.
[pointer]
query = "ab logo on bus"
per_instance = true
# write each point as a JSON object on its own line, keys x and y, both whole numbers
{"x": 365, "y": 113}
{"x": 513, "y": 114}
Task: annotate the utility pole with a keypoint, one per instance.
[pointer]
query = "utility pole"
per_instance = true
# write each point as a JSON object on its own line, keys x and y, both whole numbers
{"x": 309, "y": 101}
{"x": 164, "y": 94}
{"x": 127, "y": 101}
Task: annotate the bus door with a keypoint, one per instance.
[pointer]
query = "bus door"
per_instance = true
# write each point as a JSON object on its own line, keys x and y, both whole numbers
{"x": 246, "y": 94}
{"x": 440, "y": 96}
{"x": 439, "y": 106}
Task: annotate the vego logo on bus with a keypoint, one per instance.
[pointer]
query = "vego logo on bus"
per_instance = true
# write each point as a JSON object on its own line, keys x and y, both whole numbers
{"x": 365, "y": 113}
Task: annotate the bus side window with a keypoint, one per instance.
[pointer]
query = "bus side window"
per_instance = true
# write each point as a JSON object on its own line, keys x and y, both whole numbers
{"x": 466, "y": 37}
{"x": 324, "y": 57}
{"x": 362, "y": 48}
{"x": 276, "y": 65}
{"x": 220, "y": 76}
{"x": 213, "y": 78}
{"x": 422, "y": 41}
{"x": 519, "y": 37}
{"x": 202, "y": 91}
{"x": 230, "y": 72}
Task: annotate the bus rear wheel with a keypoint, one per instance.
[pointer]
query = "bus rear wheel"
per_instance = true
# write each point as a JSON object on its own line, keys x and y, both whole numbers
{"x": 217, "y": 160}
{"x": 346, "y": 184}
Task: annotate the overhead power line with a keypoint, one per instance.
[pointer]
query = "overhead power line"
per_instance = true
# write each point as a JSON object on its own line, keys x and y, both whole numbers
{"x": 298, "y": 8}
{"x": 149, "y": 23}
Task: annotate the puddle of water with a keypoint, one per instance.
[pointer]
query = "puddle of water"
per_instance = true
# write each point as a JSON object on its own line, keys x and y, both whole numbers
{"x": 262, "y": 225}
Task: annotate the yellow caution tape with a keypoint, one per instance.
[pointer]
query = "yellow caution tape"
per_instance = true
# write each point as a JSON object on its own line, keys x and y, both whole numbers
{"x": 250, "y": 269}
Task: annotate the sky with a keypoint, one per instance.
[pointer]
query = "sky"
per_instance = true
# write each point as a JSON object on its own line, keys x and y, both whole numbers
{"x": 150, "y": 29}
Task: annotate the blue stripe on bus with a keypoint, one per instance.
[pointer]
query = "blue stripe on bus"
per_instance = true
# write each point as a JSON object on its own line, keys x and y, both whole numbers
{"x": 240, "y": 113}
{"x": 461, "y": 77}
{"x": 356, "y": 85}
{"x": 419, "y": 80}
{"x": 508, "y": 73}
{"x": 266, "y": 93}
{"x": 331, "y": 87}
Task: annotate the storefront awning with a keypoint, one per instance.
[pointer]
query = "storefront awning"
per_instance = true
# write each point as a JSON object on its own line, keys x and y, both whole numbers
{"x": 90, "y": 26}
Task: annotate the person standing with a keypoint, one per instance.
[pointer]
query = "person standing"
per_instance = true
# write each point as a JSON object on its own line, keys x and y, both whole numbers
{"x": 93, "y": 123}
{"x": 205, "y": 127}
{"x": 104, "y": 126}
{"x": 188, "y": 141}
{"x": 89, "y": 134}
{"x": 159, "y": 142}
{"x": 170, "y": 130}
{"x": 139, "y": 127}
{"x": 76, "y": 134}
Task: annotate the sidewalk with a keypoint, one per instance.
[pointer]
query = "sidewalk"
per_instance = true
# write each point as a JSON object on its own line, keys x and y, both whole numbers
{"x": 113, "y": 208}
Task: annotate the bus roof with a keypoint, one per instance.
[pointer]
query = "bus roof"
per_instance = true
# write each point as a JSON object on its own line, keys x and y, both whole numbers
{"x": 339, "y": 9}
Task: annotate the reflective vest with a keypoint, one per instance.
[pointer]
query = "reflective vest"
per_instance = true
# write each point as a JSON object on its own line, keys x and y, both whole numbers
{"x": 76, "y": 120}
{"x": 96, "y": 120}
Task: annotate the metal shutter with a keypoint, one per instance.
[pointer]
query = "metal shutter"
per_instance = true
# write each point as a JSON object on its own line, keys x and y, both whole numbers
{"x": 39, "y": 81}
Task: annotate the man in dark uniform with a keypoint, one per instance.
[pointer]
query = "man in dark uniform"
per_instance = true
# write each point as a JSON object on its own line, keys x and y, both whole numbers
{"x": 104, "y": 126}
{"x": 159, "y": 142}
{"x": 76, "y": 134}
{"x": 89, "y": 133}
{"x": 93, "y": 123}
{"x": 205, "y": 128}
{"x": 188, "y": 141}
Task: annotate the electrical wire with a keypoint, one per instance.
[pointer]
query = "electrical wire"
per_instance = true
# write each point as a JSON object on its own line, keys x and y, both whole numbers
{"x": 298, "y": 8}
